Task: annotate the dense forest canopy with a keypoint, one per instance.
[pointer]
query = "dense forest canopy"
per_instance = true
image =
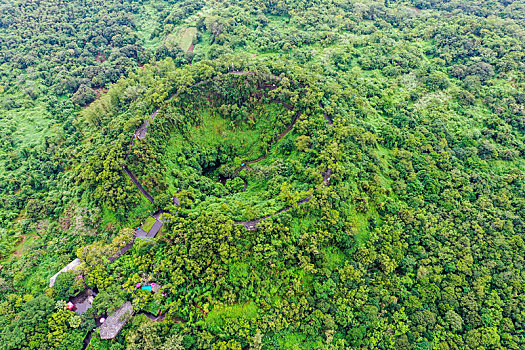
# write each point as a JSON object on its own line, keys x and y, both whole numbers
{"x": 317, "y": 174}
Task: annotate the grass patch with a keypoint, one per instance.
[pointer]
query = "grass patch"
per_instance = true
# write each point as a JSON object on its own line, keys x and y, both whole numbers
{"x": 249, "y": 140}
{"x": 22, "y": 244}
{"x": 364, "y": 229}
{"x": 503, "y": 167}
{"x": 187, "y": 37}
{"x": 239, "y": 271}
{"x": 108, "y": 217}
{"x": 215, "y": 131}
{"x": 334, "y": 257}
{"x": 220, "y": 315}
{"x": 298, "y": 226}
{"x": 363, "y": 233}
{"x": 183, "y": 38}
{"x": 298, "y": 341}
{"x": 148, "y": 224}
{"x": 147, "y": 22}
{"x": 27, "y": 128}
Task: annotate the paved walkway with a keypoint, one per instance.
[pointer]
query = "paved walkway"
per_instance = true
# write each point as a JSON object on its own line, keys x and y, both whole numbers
{"x": 140, "y": 232}
{"x": 137, "y": 183}
{"x": 155, "y": 229}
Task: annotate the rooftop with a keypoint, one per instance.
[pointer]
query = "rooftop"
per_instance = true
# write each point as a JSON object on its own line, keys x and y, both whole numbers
{"x": 83, "y": 301}
{"x": 114, "y": 323}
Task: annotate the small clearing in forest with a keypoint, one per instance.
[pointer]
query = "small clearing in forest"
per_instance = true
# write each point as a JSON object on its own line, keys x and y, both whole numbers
{"x": 186, "y": 38}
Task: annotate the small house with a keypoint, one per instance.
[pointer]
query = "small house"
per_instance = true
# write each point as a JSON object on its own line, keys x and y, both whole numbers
{"x": 83, "y": 301}
{"x": 115, "y": 322}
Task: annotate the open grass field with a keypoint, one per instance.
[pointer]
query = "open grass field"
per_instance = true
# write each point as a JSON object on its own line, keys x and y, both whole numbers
{"x": 31, "y": 125}
{"x": 247, "y": 140}
{"x": 183, "y": 38}
{"x": 216, "y": 131}
{"x": 186, "y": 38}
{"x": 25, "y": 128}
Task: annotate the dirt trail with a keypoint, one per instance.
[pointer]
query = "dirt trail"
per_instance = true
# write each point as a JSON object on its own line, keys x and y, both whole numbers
{"x": 326, "y": 115}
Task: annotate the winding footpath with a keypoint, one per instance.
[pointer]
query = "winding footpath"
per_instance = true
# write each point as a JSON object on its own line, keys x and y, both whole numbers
{"x": 141, "y": 132}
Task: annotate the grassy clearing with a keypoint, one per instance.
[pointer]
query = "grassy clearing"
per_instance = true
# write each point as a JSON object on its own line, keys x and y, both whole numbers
{"x": 216, "y": 131}
{"x": 147, "y": 20}
{"x": 32, "y": 125}
{"x": 218, "y": 316}
{"x": 203, "y": 46}
{"x": 108, "y": 217}
{"x": 298, "y": 341}
{"x": 148, "y": 224}
{"x": 22, "y": 245}
{"x": 182, "y": 38}
{"x": 298, "y": 225}
{"x": 27, "y": 126}
{"x": 503, "y": 167}
{"x": 334, "y": 257}
{"x": 27, "y": 129}
{"x": 187, "y": 37}
{"x": 363, "y": 232}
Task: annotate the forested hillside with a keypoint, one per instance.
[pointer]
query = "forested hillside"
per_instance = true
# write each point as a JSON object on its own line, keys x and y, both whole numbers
{"x": 263, "y": 174}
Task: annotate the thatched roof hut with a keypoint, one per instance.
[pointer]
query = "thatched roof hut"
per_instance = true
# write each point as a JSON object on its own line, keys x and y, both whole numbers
{"x": 114, "y": 323}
